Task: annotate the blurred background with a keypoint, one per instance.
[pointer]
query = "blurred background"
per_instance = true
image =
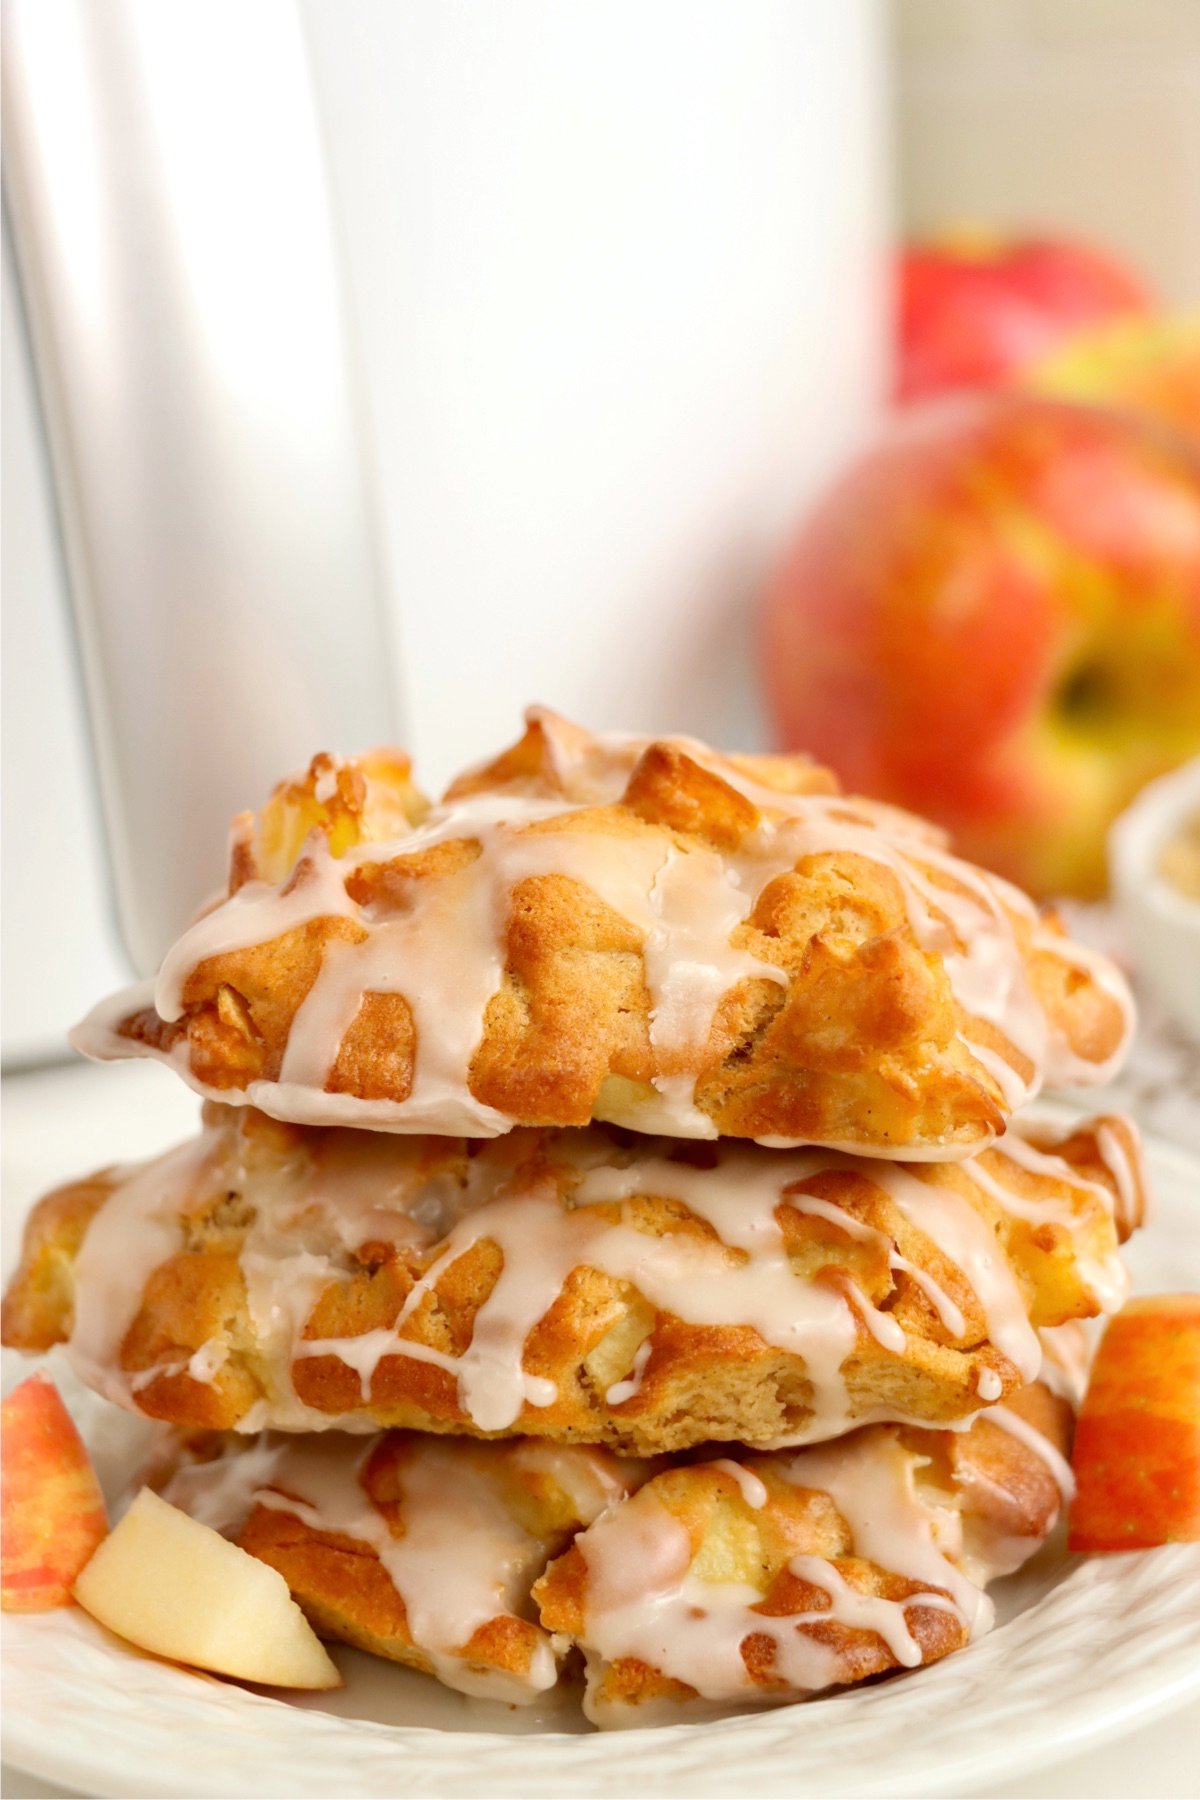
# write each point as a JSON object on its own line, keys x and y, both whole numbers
{"x": 371, "y": 370}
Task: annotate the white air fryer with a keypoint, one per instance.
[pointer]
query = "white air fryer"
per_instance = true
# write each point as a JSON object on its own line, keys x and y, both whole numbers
{"x": 372, "y": 370}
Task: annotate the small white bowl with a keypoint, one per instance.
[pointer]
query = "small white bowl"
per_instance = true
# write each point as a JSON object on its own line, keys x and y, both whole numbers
{"x": 1163, "y": 924}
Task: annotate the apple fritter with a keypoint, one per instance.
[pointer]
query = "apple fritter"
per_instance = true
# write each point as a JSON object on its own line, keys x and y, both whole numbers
{"x": 421, "y": 1550}
{"x": 631, "y": 930}
{"x": 761, "y": 1579}
{"x": 689, "y": 1585}
{"x": 592, "y": 1286}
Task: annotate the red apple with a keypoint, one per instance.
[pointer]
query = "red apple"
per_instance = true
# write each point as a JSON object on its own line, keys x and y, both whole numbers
{"x": 53, "y": 1510}
{"x": 1137, "y": 1443}
{"x": 994, "y": 619}
{"x": 1152, "y": 365}
{"x": 976, "y": 309}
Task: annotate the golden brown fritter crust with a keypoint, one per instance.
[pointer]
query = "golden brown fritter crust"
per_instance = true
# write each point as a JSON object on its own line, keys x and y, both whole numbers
{"x": 853, "y": 1035}
{"x": 996, "y": 1496}
{"x": 330, "y": 1514}
{"x": 420, "y": 1550}
{"x": 332, "y": 1277}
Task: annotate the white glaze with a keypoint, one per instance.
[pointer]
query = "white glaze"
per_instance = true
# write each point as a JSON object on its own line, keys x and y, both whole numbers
{"x": 445, "y": 951}
{"x": 631, "y": 1384}
{"x": 460, "y": 1557}
{"x": 135, "y": 1232}
{"x": 961, "y": 1233}
{"x": 1067, "y": 1352}
{"x": 642, "y": 1599}
{"x": 988, "y": 1385}
{"x": 1125, "y": 1168}
{"x": 306, "y": 1207}
{"x": 1034, "y": 1440}
{"x": 871, "y": 1479}
{"x": 752, "y": 1487}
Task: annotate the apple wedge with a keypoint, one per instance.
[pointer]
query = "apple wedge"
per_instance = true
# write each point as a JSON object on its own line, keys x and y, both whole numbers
{"x": 1137, "y": 1443}
{"x": 52, "y": 1509}
{"x": 176, "y": 1587}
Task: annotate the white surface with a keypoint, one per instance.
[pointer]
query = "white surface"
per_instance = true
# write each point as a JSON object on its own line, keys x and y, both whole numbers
{"x": 1095, "y": 1646}
{"x": 617, "y": 275}
{"x": 60, "y": 938}
{"x": 165, "y": 181}
{"x": 1073, "y": 116}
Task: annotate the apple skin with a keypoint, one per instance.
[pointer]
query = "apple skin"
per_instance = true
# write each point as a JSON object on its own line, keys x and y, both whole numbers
{"x": 1137, "y": 1442}
{"x": 974, "y": 310}
{"x": 994, "y": 619}
{"x": 53, "y": 1510}
{"x": 1149, "y": 365}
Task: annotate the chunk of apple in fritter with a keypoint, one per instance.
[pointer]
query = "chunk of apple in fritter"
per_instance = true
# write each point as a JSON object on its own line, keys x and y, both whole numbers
{"x": 368, "y": 799}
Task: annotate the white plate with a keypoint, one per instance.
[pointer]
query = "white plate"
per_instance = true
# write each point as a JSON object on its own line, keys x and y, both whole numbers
{"x": 1085, "y": 1649}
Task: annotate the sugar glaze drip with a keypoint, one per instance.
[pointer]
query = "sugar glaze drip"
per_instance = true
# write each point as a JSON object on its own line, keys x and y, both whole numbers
{"x": 444, "y": 951}
{"x": 643, "y": 1601}
{"x": 694, "y": 1281}
{"x": 308, "y": 1210}
{"x": 460, "y": 1557}
{"x": 1035, "y": 1440}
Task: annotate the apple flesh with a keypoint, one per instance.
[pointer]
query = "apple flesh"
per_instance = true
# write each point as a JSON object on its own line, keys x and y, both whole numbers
{"x": 975, "y": 310}
{"x": 1137, "y": 1442}
{"x": 994, "y": 619}
{"x": 176, "y": 1587}
{"x": 52, "y": 1511}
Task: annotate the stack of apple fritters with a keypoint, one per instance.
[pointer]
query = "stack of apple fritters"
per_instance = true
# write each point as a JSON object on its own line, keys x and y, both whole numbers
{"x": 614, "y": 1226}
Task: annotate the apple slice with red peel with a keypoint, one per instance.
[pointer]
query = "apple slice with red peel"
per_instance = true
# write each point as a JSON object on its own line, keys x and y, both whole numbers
{"x": 1137, "y": 1443}
{"x": 52, "y": 1510}
{"x": 176, "y": 1587}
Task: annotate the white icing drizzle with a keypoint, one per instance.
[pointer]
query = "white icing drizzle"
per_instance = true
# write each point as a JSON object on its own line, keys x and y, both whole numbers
{"x": 1034, "y": 1440}
{"x": 1067, "y": 1360}
{"x": 643, "y": 1601}
{"x": 871, "y": 1480}
{"x": 947, "y": 1310}
{"x": 220, "y": 1493}
{"x": 258, "y": 912}
{"x": 753, "y": 1488}
{"x": 695, "y": 1280}
{"x": 690, "y": 966}
{"x": 305, "y": 1204}
{"x": 1012, "y": 1088}
{"x": 462, "y": 1560}
{"x": 630, "y": 1385}
{"x": 1105, "y": 1275}
{"x": 1125, "y": 1169}
{"x": 867, "y": 1612}
{"x": 1067, "y": 1068}
{"x": 962, "y": 1234}
{"x": 444, "y": 951}
{"x": 461, "y": 1557}
{"x": 988, "y": 1385}
{"x": 136, "y": 1230}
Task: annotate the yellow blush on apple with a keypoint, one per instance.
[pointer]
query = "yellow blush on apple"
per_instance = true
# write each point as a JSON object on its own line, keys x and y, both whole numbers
{"x": 994, "y": 619}
{"x": 975, "y": 308}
